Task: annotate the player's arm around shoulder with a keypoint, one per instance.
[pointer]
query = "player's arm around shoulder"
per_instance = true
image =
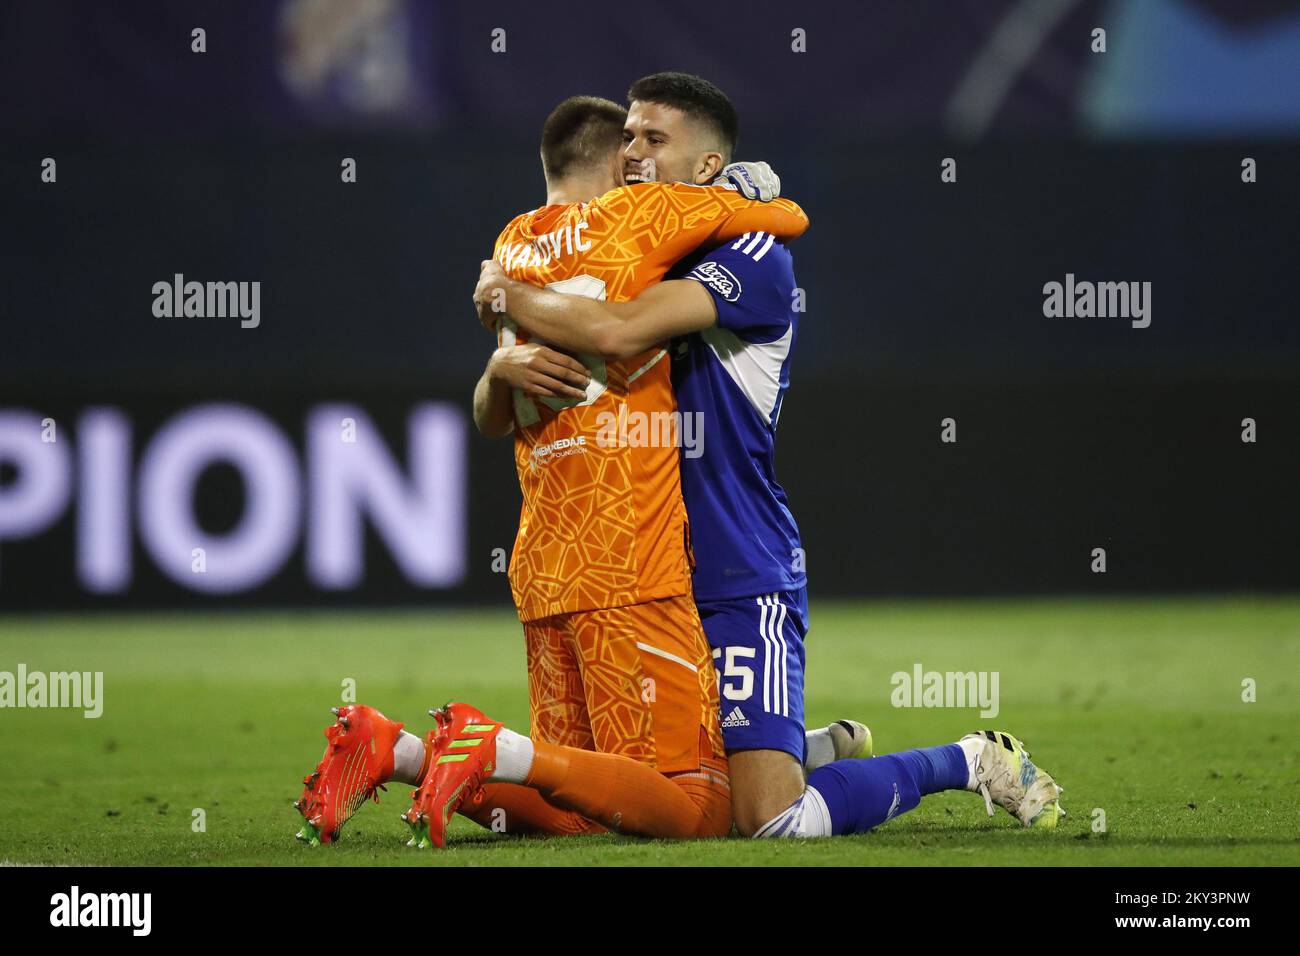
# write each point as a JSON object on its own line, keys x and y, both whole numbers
{"x": 662, "y": 312}
{"x": 739, "y": 211}
{"x": 718, "y": 202}
{"x": 612, "y": 330}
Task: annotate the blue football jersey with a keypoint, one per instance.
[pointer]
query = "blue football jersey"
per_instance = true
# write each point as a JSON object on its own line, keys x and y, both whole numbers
{"x": 730, "y": 380}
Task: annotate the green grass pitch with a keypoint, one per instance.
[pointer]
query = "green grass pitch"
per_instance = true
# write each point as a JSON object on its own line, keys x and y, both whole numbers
{"x": 1135, "y": 705}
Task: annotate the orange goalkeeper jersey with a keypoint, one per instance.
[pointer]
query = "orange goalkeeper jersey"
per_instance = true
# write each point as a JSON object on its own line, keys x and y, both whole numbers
{"x": 602, "y": 523}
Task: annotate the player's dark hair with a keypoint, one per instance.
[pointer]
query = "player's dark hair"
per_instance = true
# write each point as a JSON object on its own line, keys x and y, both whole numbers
{"x": 697, "y": 98}
{"x": 582, "y": 131}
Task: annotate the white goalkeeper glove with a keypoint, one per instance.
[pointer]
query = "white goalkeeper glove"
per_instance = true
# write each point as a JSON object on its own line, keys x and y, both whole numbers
{"x": 753, "y": 180}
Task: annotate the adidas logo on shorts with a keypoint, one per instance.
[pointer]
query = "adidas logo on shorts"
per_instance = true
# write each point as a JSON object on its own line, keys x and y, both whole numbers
{"x": 735, "y": 719}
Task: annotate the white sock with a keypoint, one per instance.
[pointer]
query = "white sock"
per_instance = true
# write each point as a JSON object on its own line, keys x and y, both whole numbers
{"x": 514, "y": 757}
{"x": 821, "y": 749}
{"x": 806, "y": 817}
{"x": 408, "y": 758}
{"x": 971, "y": 748}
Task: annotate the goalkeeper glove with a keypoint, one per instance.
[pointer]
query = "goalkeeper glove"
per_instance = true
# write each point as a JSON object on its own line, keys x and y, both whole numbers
{"x": 753, "y": 180}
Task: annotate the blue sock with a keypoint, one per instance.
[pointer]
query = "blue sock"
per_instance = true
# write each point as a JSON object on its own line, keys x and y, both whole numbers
{"x": 938, "y": 768}
{"x": 861, "y": 794}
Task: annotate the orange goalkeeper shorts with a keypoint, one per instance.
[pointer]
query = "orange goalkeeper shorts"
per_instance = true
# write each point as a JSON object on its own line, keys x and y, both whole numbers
{"x": 635, "y": 680}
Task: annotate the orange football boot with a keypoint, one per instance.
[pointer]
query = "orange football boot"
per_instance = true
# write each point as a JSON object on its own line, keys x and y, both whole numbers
{"x": 463, "y": 757}
{"x": 358, "y": 761}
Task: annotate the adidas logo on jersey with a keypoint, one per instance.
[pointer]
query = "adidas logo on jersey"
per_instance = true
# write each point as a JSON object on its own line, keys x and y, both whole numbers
{"x": 735, "y": 719}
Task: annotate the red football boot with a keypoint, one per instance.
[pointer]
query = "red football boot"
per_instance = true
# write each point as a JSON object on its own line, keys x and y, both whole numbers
{"x": 358, "y": 761}
{"x": 413, "y": 816}
{"x": 463, "y": 757}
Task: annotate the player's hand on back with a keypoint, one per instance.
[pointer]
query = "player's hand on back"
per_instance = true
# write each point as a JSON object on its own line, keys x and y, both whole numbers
{"x": 489, "y": 294}
{"x": 539, "y": 370}
{"x": 753, "y": 180}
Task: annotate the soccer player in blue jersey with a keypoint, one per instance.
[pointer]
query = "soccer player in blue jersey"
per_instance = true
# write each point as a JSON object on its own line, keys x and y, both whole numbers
{"x": 733, "y": 313}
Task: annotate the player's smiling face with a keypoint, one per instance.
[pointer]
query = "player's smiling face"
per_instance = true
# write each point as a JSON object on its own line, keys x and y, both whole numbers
{"x": 670, "y": 138}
